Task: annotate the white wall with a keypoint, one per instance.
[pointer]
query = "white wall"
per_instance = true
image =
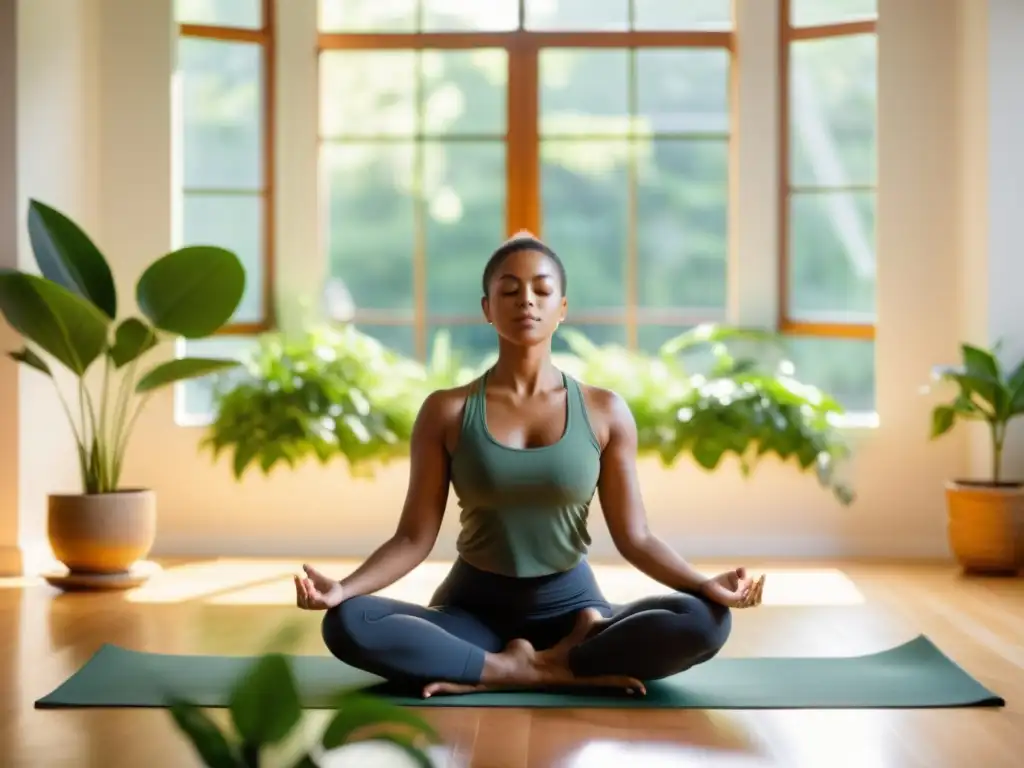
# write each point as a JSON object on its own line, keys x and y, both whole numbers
{"x": 56, "y": 129}
{"x": 10, "y": 554}
{"x": 992, "y": 164}
{"x": 317, "y": 512}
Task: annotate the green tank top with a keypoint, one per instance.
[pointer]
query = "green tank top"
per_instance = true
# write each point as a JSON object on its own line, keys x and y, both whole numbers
{"x": 524, "y": 510}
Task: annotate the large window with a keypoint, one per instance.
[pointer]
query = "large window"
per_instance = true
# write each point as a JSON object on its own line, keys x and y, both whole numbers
{"x": 445, "y": 126}
{"x": 224, "y": 158}
{"x": 828, "y": 71}
{"x": 440, "y": 127}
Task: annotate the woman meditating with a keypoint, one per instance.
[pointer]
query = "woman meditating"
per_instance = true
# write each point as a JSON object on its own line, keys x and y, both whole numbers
{"x": 525, "y": 448}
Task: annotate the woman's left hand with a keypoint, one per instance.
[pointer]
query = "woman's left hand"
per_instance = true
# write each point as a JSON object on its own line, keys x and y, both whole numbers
{"x": 734, "y": 589}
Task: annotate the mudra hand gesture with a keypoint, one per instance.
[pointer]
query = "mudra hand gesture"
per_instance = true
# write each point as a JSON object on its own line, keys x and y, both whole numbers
{"x": 734, "y": 589}
{"x": 317, "y": 592}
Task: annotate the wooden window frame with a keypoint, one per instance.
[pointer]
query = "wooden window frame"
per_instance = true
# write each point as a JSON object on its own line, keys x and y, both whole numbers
{"x": 264, "y": 37}
{"x": 522, "y": 158}
{"x": 789, "y": 34}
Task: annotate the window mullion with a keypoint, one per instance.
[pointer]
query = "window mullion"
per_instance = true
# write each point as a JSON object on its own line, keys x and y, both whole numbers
{"x": 522, "y": 159}
{"x": 419, "y": 255}
{"x": 632, "y": 232}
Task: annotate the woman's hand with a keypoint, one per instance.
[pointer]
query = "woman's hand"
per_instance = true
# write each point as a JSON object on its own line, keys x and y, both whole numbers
{"x": 317, "y": 592}
{"x": 734, "y": 589}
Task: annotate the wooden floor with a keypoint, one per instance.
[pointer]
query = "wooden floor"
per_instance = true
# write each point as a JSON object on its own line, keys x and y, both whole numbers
{"x": 233, "y": 607}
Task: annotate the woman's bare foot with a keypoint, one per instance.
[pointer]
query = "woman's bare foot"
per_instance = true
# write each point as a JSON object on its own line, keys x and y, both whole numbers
{"x": 520, "y": 666}
{"x": 588, "y": 623}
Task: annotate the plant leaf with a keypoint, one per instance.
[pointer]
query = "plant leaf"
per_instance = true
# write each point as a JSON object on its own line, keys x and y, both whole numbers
{"x": 180, "y": 369}
{"x": 132, "y": 339}
{"x": 983, "y": 369}
{"x": 67, "y": 256}
{"x": 265, "y": 704}
{"x": 31, "y": 359}
{"x": 357, "y": 711}
{"x": 60, "y": 322}
{"x": 206, "y": 737}
{"x": 192, "y": 292}
{"x": 943, "y": 418}
{"x": 1016, "y": 390}
{"x": 979, "y": 362}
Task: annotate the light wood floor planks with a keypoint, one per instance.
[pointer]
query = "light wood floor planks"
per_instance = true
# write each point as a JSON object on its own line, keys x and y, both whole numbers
{"x": 234, "y": 606}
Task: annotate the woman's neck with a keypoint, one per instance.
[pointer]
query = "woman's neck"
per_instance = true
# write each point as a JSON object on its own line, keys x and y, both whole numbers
{"x": 525, "y": 370}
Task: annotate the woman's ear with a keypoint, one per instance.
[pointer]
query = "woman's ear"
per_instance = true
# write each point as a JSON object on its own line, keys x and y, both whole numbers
{"x": 485, "y": 307}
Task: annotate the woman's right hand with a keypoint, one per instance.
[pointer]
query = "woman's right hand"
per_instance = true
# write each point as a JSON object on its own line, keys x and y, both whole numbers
{"x": 317, "y": 592}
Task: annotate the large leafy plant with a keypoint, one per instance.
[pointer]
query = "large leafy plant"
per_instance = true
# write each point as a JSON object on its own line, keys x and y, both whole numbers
{"x": 265, "y": 715}
{"x": 985, "y": 392}
{"x": 339, "y": 393}
{"x": 68, "y": 315}
{"x": 326, "y": 393}
{"x": 747, "y": 404}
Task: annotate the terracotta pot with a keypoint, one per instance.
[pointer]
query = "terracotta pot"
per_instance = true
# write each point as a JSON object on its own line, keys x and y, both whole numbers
{"x": 103, "y": 533}
{"x": 986, "y": 526}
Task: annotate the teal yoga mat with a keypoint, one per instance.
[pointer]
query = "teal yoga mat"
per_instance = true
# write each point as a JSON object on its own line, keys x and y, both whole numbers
{"x": 913, "y": 675}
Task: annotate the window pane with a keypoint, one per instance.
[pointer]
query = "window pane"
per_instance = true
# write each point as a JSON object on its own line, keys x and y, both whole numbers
{"x": 194, "y": 398}
{"x": 805, "y": 13}
{"x": 833, "y": 128}
{"x": 492, "y": 15}
{"x": 370, "y": 226}
{"x": 367, "y": 15}
{"x": 473, "y": 345}
{"x": 650, "y": 339}
{"x": 682, "y": 91}
{"x": 844, "y": 368}
{"x": 584, "y": 92}
{"x": 221, "y": 13}
{"x": 368, "y": 93}
{"x": 832, "y": 257}
{"x": 682, "y": 223}
{"x": 584, "y": 202}
{"x": 465, "y": 92}
{"x": 659, "y": 15}
{"x": 234, "y": 222}
{"x": 399, "y": 338}
{"x": 597, "y": 333}
{"x": 464, "y": 195}
{"x": 577, "y": 14}
{"x": 222, "y": 109}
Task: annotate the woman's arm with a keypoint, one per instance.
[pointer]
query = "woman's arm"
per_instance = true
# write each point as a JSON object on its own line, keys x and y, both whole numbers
{"x": 623, "y": 507}
{"x": 425, "y": 502}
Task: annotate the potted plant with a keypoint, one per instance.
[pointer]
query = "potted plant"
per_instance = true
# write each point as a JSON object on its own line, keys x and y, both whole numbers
{"x": 68, "y": 315}
{"x": 985, "y": 515}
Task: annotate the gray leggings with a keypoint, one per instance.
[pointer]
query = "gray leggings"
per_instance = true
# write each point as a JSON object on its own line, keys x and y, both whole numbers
{"x": 474, "y": 612}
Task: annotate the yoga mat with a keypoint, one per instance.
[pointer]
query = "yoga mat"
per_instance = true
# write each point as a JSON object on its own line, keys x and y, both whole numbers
{"x": 913, "y": 675}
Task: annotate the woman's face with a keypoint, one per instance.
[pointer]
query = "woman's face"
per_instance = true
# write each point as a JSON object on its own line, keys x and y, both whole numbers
{"x": 524, "y": 301}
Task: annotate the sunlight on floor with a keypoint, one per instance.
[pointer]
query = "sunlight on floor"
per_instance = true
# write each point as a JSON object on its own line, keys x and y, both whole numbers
{"x": 269, "y": 582}
{"x": 609, "y": 753}
{"x": 209, "y": 578}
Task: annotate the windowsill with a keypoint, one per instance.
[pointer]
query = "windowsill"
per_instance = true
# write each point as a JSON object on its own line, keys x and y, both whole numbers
{"x": 193, "y": 420}
{"x": 858, "y": 421}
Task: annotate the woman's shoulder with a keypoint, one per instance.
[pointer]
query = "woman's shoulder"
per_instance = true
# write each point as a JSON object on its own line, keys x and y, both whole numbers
{"x": 444, "y": 405}
{"x": 606, "y": 409}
